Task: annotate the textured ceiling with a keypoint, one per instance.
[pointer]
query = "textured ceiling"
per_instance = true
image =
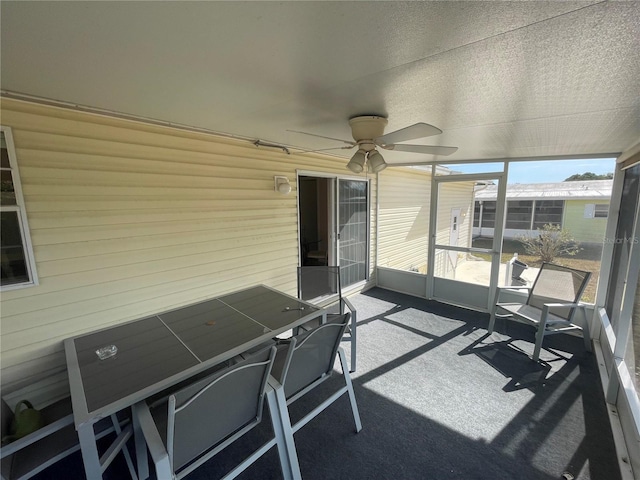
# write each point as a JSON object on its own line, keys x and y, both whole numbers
{"x": 501, "y": 79}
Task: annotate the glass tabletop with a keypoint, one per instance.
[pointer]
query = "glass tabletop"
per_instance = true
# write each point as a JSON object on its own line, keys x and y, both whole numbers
{"x": 147, "y": 353}
{"x": 268, "y": 307}
{"x": 152, "y": 350}
{"x": 212, "y": 328}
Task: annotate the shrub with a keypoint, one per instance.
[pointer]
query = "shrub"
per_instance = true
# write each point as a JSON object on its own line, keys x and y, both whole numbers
{"x": 550, "y": 243}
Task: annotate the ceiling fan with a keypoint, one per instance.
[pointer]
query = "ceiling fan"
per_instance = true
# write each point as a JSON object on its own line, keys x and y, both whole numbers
{"x": 368, "y": 133}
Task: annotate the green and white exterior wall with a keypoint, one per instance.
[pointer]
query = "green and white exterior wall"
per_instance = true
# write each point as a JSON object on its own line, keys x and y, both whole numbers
{"x": 580, "y": 207}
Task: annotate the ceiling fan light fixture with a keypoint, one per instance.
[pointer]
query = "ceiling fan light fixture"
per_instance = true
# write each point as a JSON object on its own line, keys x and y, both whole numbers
{"x": 376, "y": 162}
{"x": 368, "y": 135}
{"x": 356, "y": 164}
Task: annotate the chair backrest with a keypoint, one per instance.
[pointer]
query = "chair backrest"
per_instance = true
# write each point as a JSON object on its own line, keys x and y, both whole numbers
{"x": 209, "y": 411}
{"x": 319, "y": 283}
{"x": 559, "y": 284}
{"x": 307, "y": 357}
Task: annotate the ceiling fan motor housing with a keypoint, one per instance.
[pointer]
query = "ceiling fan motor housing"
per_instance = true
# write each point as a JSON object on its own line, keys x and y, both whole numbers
{"x": 368, "y": 128}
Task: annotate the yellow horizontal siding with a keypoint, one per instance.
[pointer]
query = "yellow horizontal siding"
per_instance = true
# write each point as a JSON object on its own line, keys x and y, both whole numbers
{"x": 403, "y": 230}
{"x": 452, "y": 196}
{"x": 91, "y": 314}
{"x": 129, "y": 219}
{"x": 404, "y": 217}
{"x": 95, "y": 128}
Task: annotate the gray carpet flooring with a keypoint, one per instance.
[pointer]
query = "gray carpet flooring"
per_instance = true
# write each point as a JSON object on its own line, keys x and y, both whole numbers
{"x": 439, "y": 398}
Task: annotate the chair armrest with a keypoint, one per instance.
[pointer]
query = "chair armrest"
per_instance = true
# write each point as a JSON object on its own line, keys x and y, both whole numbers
{"x": 39, "y": 434}
{"x": 514, "y": 287}
{"x": 557, "y": 305}
{"x": 149, "y": 429}
{"x": 273, "y": 384}
{"x": 58, "y": 416}
{"x": 349, "y": 304}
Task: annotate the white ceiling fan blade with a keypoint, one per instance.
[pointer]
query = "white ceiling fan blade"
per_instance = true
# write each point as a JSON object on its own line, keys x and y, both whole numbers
{"x": 352, "y": 144}
{"x": 428, "y": 149}
{"x": 418, "y": 130}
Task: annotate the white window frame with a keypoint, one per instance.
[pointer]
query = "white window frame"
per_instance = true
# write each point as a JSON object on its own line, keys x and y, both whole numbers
{"x": 22, "y": 215}
{"x": 601, "y": 210}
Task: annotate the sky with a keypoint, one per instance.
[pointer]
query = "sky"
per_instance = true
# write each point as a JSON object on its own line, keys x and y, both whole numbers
{"x": 542, "y": 171}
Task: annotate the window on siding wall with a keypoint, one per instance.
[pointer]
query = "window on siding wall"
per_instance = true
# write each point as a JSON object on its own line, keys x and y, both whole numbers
{"x": 519, "y": 214}
{"x": 601, "y": 210}
{"x": 17, "y": 263}
{"x": 596, "y": 210}
{"x": 547, "y": 212}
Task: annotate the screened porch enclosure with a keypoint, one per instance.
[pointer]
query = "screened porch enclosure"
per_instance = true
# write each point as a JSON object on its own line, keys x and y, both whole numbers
{"x": 215, "y": 147}
{"x": 439, "y": 398}
{"x": 185, "y": 243}
{"x": 611, "y": 255}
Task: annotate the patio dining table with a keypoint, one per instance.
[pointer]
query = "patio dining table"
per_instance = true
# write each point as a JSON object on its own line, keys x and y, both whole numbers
{"x": 146, "y": 356}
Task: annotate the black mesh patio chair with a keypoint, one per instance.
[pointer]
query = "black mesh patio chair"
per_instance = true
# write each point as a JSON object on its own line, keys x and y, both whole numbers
{"x": 200, "y": 420}
{"x": 321, "y": 286}
{"x": 551, "y": 305}
{"x": 306, "y": 360}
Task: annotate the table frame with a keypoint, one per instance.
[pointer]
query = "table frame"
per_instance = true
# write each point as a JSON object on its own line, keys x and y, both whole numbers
{"x": 84, "y": 419}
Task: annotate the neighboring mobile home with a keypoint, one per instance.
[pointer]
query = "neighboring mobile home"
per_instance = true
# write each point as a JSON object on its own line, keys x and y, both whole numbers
{"x": 581, "y": 207}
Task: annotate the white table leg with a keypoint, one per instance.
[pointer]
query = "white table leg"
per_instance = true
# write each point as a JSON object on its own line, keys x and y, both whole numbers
{"x": 141, "y": 448}
{"x": 89, "y": 449}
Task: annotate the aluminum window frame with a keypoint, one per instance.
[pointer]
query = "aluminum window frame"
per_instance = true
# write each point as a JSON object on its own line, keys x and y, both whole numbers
{"x": 488, "y": 219}
{"x": 540, "y": 209}
{"x": 515, "y": 208}
{"x": 21, "y": 211}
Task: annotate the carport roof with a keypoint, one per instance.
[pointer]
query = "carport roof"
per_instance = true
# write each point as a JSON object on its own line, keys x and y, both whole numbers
{"x": 588, "y": 189}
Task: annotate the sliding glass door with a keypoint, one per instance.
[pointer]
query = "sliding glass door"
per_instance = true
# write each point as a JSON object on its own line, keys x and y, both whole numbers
{"x": 334, "y": 225}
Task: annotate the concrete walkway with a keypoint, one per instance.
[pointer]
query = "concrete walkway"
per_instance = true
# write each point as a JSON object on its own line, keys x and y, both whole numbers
{"x": 478, "y": 272}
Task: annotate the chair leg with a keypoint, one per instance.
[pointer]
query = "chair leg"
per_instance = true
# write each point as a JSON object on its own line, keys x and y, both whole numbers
{"x": 538, "y": 347}
{"x": 494, "y": 310}
{"x": 153, "y": 440}
{"x": 540, "y": 333}
{"x": 352, "y": 395}
{"x": 284, "y": 433}
{"x": 586, "y": 333}
{"x": 492, "y": 320}
{"x": 353, "y": 342}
